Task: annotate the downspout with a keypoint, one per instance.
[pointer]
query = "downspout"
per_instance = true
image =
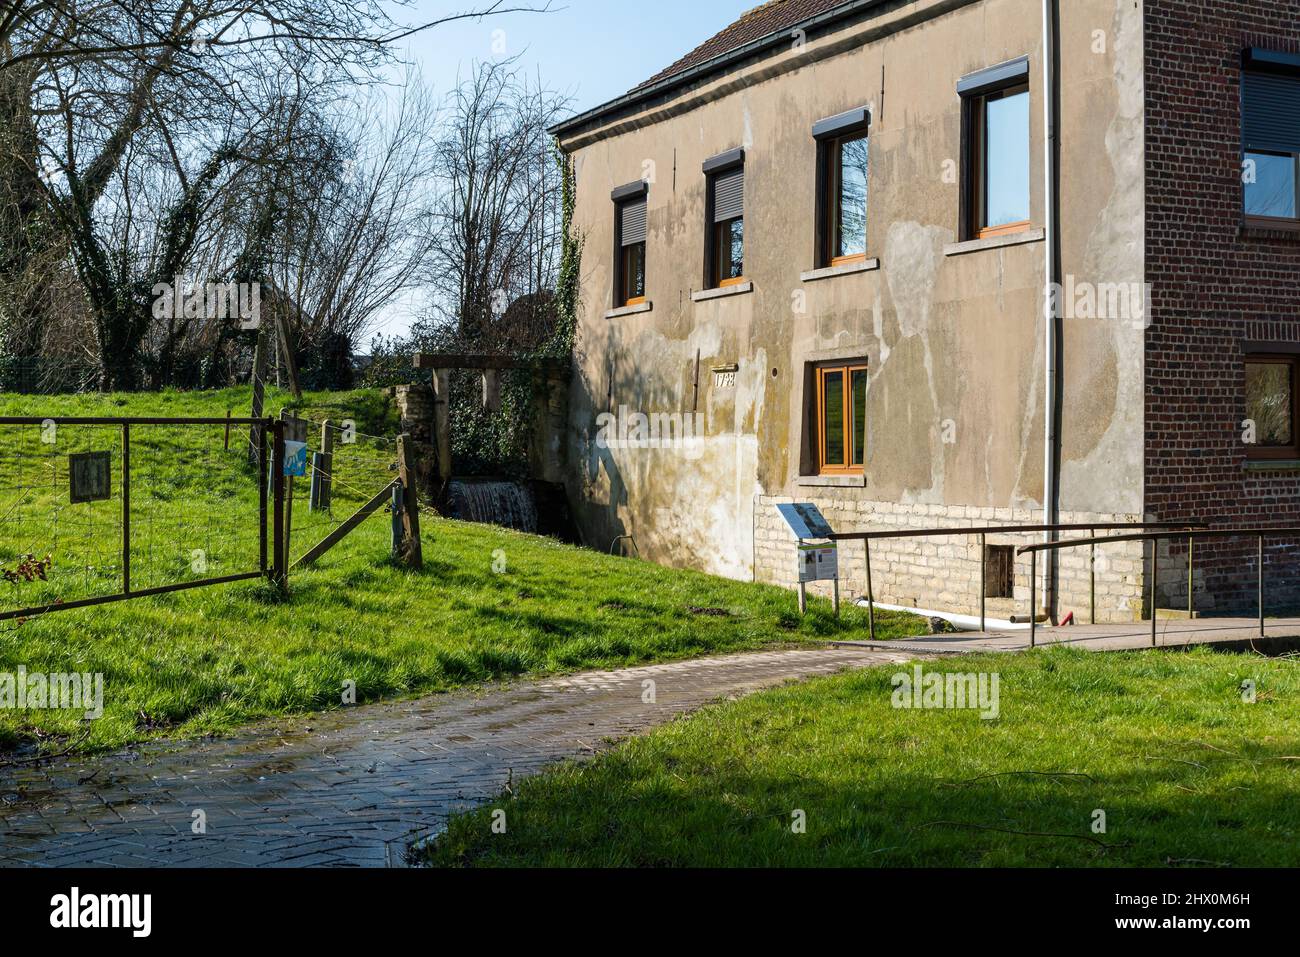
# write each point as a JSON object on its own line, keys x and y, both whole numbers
{"x": 1051, "y": 181}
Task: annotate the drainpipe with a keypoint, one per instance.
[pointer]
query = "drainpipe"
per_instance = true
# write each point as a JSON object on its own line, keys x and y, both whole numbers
{"x": 1051, "y": 181}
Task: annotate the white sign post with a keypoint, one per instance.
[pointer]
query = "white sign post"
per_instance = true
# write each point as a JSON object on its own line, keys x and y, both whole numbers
{"x": 817, "y": 559}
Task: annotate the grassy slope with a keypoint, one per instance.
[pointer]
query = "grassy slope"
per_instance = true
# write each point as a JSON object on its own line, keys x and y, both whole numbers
{"x": 1184, "y": 769}
{"x": 206, "y": 660}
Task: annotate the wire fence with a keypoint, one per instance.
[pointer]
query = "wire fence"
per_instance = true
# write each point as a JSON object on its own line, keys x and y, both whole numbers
{"x": 105, "y": 509}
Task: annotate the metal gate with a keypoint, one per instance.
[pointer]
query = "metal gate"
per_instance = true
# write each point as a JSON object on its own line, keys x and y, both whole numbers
{"x": 102, "y": 509}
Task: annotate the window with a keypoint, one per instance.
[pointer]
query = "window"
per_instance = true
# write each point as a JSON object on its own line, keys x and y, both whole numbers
{"x": 995, "y": 110}
{"x": 725, "y": 239}
{"x": 842, "y": 188}
{"x": 999, "y": 571}
{"x": 841, "y": 419}
{"x": 1271, "y": 138}
{"x": 629, "y": 243}
{"x": 1271, "y": 406}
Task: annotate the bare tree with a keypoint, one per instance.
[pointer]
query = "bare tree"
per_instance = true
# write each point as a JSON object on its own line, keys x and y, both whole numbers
{"x": 496, "y": 217}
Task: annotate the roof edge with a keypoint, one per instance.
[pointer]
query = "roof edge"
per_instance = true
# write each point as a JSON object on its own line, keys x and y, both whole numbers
{"x": 718, "y": 64}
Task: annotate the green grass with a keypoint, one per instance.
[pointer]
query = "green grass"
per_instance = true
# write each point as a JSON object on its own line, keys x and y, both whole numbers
{"x": 207, "y": 660}
{"x": 1162, "y": 742}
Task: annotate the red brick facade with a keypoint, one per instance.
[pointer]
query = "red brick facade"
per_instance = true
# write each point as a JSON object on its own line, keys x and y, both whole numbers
{"x": 1216, "y": 285}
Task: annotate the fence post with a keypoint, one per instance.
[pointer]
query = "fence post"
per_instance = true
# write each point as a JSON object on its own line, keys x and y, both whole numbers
{"x": 280, "y": 573}
{"x": 1092, "y": 577}
{"x": 412, "y": 551}
{"x": 126, "y": 508}
{"x": 398, "y": 533}
{"x": 324, "y": 486}
{"x": 1191, "y": 596}
{"x": 262, "y": 479}
{"x": 256, "y": 443}
{"x": 984, "y": 578}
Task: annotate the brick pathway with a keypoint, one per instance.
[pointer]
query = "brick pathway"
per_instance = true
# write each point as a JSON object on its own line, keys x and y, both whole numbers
{"x": 352, "y": 788}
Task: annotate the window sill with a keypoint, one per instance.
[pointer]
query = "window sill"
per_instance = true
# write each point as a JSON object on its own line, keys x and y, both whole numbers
{"x": 1272, "y": 465}
{"x": 722, "y": 292}
{"x": 831, "y": 481}
{"x": 629, "y": 310}
{"x": 996, "y": 242}
{"x": 847, "y": 269}
{"x": 1270, "y": 229}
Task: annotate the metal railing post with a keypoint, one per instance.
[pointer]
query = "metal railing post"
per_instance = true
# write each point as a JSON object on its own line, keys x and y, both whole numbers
{"x": 1092, "y": 577}
{"x": 1191, "y": 597}
{"x": 871, "y": 595}
{"x": 984, "y": 579}
{"x": 1155, "y": 576}
{"x": 1261, "y": 586}
{"x": 1033, "y": 599}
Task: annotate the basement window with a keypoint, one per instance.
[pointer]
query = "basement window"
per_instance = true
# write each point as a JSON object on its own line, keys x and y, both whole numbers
{"x": 1000, "y": 571}
{"x": 1271, "y": 407}
{"x": 995, "y": 125}
{"x": 1271, "y": 138}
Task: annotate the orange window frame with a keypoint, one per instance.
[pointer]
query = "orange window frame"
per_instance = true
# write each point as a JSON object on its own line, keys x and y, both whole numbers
{"x": 834, "y": 211}
{"x": 854, "y": 431}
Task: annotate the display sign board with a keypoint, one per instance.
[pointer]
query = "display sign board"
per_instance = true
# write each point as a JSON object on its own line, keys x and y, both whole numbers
{"x": 295, "y": 446}
{"x": 818, "y": 563}
{"x": 90, "y": 476}
{"x": 806, "y": 521}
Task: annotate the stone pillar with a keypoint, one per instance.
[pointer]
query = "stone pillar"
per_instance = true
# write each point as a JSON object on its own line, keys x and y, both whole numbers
{"x": 548, "y": 450}
{"x": 416, "y": 407}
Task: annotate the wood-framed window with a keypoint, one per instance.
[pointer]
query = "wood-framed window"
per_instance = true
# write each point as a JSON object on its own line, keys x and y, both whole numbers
{"x": 996, "y": 151}
{"x": 842, "y": 179}
{"x": 841, "y": 424}
{"x": 724, "y": 246}
{"x": 630, "y": 245}
{"x": 1270, "y": 119}
{"x": 1271, "y": 406}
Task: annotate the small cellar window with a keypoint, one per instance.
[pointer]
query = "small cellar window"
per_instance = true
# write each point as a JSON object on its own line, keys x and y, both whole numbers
{"x": 1000, "y": 571}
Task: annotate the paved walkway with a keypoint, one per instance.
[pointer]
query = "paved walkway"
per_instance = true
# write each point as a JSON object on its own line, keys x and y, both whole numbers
{"x": 1279, "y": 634}
{"x": 352, "y": 788}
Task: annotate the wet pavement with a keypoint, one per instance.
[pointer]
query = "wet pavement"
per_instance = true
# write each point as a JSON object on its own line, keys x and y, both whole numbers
{"x": 356, "y": 787}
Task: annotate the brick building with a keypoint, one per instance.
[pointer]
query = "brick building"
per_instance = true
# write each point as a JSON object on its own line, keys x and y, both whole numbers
{"x": 822, "y": 250}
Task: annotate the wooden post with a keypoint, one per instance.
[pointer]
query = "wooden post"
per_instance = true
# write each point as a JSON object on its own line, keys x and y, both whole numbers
{"x": 126, "y": 508}
{"x": 491, "y": 390}
{"x": 227, "y": 430}
{"x": 412, "y": 551}
{"x": 398, "y": 533}
{"x": 836, "y": 586}
{"x": 442, "y": 422}
{"x": 803, "y": 598}
{"x": 280, "y": 573}
{"x": 326, "y": 488}
{"x": 256, "y": 444}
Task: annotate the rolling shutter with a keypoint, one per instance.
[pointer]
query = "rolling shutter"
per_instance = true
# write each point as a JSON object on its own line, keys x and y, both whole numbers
{"x": 632, "y": 219}
{"x": 1271, "y": 118}
{"x": 729, "y": 195}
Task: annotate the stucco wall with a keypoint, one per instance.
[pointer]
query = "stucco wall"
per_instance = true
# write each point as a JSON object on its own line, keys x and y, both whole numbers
{"x": 954, "y": 342}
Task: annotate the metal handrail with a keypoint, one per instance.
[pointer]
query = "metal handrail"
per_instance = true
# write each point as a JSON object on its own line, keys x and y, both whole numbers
{"x": 1191, "y": 534}
{"x": 983, "y": 532}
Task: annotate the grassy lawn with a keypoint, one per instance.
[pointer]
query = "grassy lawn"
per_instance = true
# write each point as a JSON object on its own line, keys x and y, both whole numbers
{"x": 204, "y": 661}
{"x": 1185, "y": 771}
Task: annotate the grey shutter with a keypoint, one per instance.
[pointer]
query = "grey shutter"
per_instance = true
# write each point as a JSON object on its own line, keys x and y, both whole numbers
{"x": 729, "y": 195}
{"x": 633, "y": 223}
{"x": 1272, "y": 112}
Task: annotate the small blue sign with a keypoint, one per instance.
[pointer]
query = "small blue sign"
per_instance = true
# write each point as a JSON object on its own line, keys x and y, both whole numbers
{"x": 806, "y": 521}
{"x": 295, "y": 458}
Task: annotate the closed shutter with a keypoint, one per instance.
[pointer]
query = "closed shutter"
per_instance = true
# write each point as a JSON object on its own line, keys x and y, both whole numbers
{"x": 729, "y": 195}
{"x": 633, "y": 223}
{"x": 1272, "y": 112}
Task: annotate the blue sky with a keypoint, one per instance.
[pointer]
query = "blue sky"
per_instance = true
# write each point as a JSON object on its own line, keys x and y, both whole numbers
{"x": 593, "y": 50}
{"x": 589, "y": 50}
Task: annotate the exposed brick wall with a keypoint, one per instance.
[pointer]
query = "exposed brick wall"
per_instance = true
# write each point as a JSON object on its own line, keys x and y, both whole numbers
{"x": 943, "y": 574}
{"x": 1215, "y": 286}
